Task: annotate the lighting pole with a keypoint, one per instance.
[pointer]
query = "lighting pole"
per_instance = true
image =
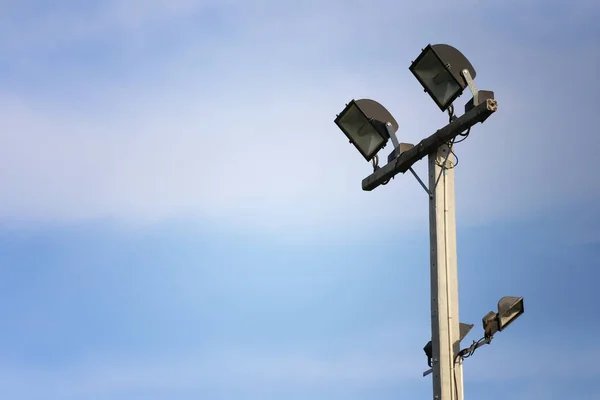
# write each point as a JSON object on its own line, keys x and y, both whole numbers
{"x": 448, "y": 379}
{"x": 444, "y": 73}
{"x": 445, "y": 325}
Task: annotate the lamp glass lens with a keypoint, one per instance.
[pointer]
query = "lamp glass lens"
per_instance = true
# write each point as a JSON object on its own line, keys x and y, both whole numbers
{"x": 508, "y": 316}
{"x": 438, "y": 81}
{"x": 363, "y": 133}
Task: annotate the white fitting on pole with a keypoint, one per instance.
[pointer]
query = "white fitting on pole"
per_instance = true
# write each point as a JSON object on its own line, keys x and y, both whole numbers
{"x": 445, "y": 328}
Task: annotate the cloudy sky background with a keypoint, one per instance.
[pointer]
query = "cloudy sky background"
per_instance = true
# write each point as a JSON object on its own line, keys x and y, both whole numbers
{"x": 180, "y": 217}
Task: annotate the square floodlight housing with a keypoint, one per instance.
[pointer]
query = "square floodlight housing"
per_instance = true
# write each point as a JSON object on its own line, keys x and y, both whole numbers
{"x": 490, "y": 324}
{"x": 509, "y": 309}
{"x": 364, "y": 124}
{"x": 438, "y": 69}
{"x": 428, "y": 349}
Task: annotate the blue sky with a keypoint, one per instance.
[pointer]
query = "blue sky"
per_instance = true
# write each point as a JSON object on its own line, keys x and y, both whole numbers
{"x": 180, "y": 218}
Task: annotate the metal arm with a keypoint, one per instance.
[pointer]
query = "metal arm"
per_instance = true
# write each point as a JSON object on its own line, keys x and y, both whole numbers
{"x": 471, "y": 83}
{"x": 392, "y": 134}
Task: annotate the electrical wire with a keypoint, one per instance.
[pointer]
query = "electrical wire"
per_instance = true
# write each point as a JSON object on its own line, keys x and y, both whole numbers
{"x": 395, "y": 166}
{"x": 451, "y": 117}
{"x": 469, "y": 351}
{"x": 455, "y": 380}
{"x": 464, "y": 135}
{"x": 466, "y": 353}
{"x": 450, "y": 145}
{"x": 455, "y": 159}
{"x": 375, "y": 162}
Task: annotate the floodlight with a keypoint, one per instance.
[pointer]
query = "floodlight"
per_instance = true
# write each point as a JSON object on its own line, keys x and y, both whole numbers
{"x": 490, "y": 324}
{"x": 509, "y": 309}
{"x": 367, "y": 124}
{"x": 440, "y": 70}
{"x": 428, "y": 349}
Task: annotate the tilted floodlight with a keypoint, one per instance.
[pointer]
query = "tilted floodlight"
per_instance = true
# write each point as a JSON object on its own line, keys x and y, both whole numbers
{"x": 509, "y": 309}
{"x": 440, "y": 70}
{"x": 367, "y": 124}
{"x": 428, "y": 349}
{"x": 490, "y": 324}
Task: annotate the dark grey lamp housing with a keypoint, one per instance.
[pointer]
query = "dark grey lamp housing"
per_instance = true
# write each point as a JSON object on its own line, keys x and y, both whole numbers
{"x": 509, "y": 309}
{"x": 439, "y": 70}
{"x": 364, "y": 123}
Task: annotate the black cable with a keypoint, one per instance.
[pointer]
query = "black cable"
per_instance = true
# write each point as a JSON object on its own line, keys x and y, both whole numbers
{"x": 451, "y": 115}
{"x": 464, "y": 135}
{"x": 450, "y": 145}
{"x": 395, "y": 166}
{"x": 384, "y": 182}
{"x": 455, "y": 380}
{"x": 469, "y": 351}
{"x": 456, "y": 157}
{"x": 375, "y": 162}
{"x": 454, "y": 373}
{"x": 465, "y": 353}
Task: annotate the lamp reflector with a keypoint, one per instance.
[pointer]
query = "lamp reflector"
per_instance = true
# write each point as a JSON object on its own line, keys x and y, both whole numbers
{"x": 368, "y": 135}
{"x": 438, "y": 69}
{"x": 436, "y": 79}
{"x": 509, "y": 309}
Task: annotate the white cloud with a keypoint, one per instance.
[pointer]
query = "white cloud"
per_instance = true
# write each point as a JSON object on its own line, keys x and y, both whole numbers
{"x": 200, "y": 161}
{"x": 240, "y": 130}
{"x": 255, "y": 145}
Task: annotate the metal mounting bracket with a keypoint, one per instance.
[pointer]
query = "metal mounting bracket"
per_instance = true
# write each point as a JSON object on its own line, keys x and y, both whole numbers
{"x": 412, "y": 171}
{"x": 471, "y": 83}
{"x": 392, "y": 134}
{"x": 399, "y": 148}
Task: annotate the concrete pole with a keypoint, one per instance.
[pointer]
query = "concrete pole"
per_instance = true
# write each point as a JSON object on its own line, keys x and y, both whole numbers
{"x": 445, "y": 328}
